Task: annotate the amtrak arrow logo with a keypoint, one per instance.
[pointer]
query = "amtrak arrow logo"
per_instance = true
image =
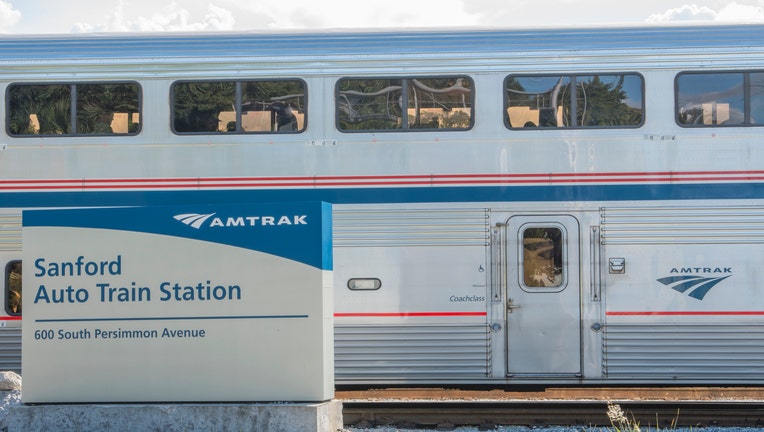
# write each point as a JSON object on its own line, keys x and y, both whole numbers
{"x": 194, "y": 220}
{"x": 698, "y": 286}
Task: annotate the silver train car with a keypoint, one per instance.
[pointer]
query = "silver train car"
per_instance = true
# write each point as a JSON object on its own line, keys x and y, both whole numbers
{"x": 563, "y": 206}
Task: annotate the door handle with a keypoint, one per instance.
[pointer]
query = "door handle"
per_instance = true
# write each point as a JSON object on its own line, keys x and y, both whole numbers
{"x": 511, "y": 306}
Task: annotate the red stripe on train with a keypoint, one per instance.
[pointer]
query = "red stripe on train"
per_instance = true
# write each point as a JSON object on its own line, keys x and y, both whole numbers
{"x": 685, "y": 313}
{"x": 378, "y": 180}
{"x": 406, "y": 314}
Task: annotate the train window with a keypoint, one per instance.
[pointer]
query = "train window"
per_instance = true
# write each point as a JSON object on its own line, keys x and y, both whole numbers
{"x": 238, "y": 106}
{"x": 542, "y": 257}
{"x": 756, "y": 83}
{"x": 73, "y": 109}
{"x": 711, "y": 99}
{"x": 444, "y": 103}
{"x": 720, "y": 99}
{"x": 13, "y": 288}
{"x": 574, "y": 101}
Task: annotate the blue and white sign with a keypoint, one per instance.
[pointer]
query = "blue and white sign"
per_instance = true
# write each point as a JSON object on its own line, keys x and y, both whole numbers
{"x": 189, "y": 303}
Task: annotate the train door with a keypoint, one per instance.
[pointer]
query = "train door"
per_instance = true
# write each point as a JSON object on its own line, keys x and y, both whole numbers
{"x": 543, "y": 296}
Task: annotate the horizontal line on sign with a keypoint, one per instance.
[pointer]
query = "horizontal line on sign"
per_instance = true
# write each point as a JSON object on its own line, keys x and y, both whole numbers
{"x": 171, "y": 318}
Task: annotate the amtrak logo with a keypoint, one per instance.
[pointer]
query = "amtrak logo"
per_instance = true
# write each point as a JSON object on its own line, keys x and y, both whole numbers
{"x": 698, "y": 284}
{"x": 197, "y": 220}
{"x": 194, "y": 220}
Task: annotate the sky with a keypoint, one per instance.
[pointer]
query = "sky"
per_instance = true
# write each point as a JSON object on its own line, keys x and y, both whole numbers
{"x": 87, "y": 16}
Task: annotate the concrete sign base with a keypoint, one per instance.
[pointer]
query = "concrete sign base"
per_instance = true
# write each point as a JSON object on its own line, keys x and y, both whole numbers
{"x": 281, "y": 417}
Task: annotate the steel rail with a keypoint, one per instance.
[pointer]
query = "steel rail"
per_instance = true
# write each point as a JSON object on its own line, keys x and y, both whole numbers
{"x": 652, "y": 414}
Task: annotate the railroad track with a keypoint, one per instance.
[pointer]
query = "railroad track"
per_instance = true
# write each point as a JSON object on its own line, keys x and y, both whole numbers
{"x": 661, "y": 407}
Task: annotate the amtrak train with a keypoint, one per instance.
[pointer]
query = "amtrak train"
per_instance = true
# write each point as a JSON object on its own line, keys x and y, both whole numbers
{"x": 565, "y": 206}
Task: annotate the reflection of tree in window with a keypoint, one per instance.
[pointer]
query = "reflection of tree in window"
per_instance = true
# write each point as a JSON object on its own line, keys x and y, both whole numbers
{"x": 599, "y": 101}
{"x": 47, "y": 109}
{"x": 430, "y": 103}
{"x": 197, "y": 105}
{"x": 282, "y": 103}
{"x": 39, "y": 109}
{"x": 602, "y": 103}
{"x": 97, "y": 105}
{"x": 439, "y": 103}
{"x": 369, "y": 104}
{"x": 13, "y": 288}
{"x": 542, "y": 257}
{"x": 537, "y": 101}
{"x": 238, "y": 106}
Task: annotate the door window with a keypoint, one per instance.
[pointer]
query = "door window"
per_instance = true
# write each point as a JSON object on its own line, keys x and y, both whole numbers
{"x": 542, "y": 257}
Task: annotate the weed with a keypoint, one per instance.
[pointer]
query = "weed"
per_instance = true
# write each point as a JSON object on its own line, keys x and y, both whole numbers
{"x": 622, "y": 422}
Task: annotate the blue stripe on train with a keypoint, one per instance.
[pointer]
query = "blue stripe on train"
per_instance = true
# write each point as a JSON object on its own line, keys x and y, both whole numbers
{"x": 639, "y": 192}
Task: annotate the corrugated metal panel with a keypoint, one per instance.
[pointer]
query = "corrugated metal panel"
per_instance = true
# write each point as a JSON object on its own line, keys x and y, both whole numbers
{"x": 674, "y": 225}
{"x": 10, "y": 349}
{"x": 410, "y": 227}
{"x": 401, "y": 353}
{"x": 699, "y": 352}
{"x": 343, "y": 43}
{"x": 10, "y": 232}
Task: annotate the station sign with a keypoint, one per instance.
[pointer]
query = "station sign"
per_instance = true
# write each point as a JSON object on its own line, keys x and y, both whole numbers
{"x": 178, "y": 304}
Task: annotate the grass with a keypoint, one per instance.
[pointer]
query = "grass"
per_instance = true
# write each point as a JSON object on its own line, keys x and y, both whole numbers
{"x": 623, "y": 422}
